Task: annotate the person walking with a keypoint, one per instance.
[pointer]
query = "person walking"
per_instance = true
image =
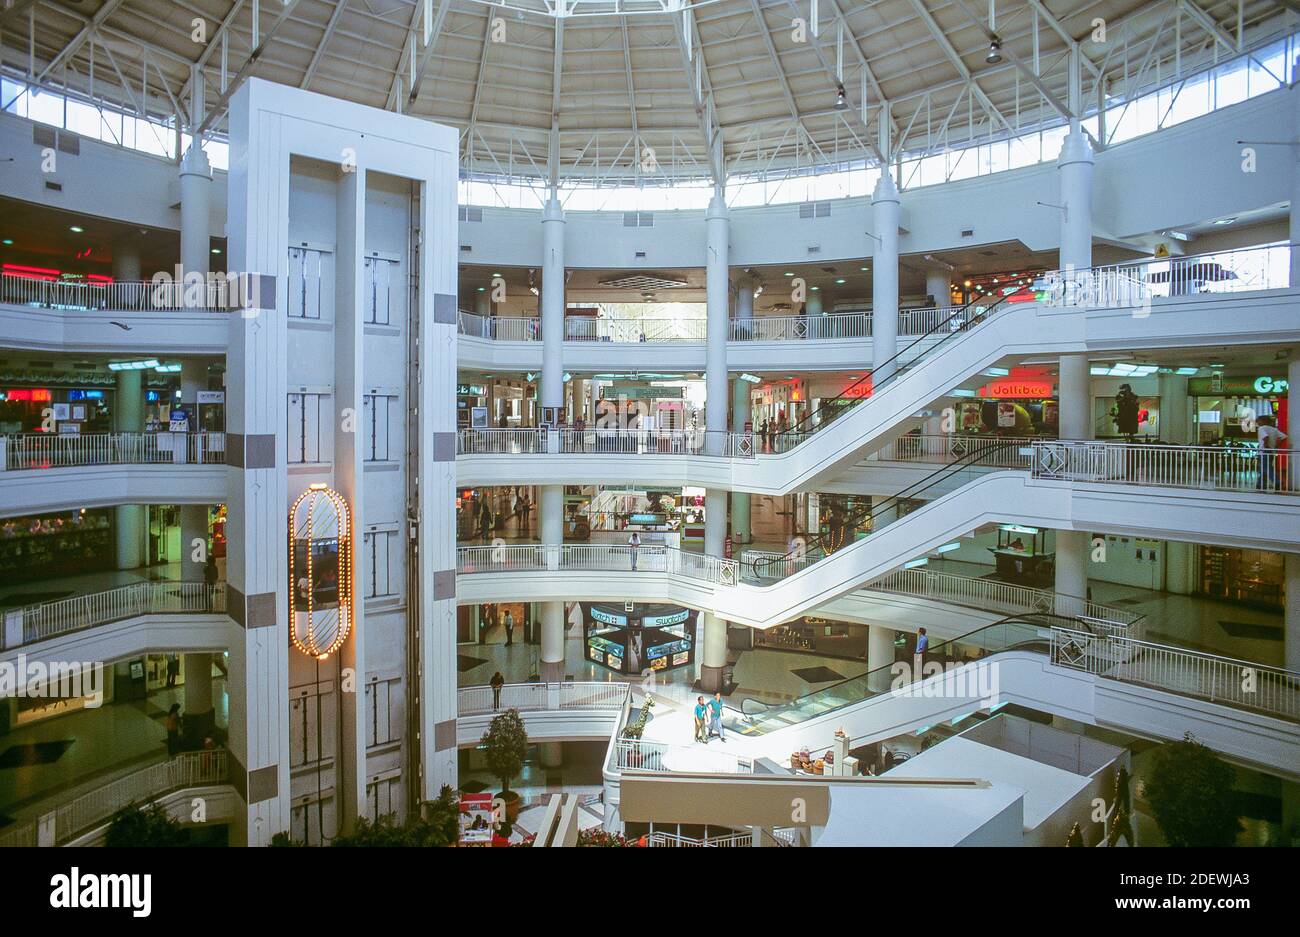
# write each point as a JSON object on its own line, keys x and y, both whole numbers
{"x": 1270, "y": 440}
{"x": 922, "y": 645}
{"x": 701, "y": 711}
{"x": 210, "y": 580}
{"x": 172, "y": 723}
{"x": 715, "y": 716}
{"x": 633, "y": 543}
{"x": 510, "y": 628}
{"x": 497, "y": 682}
{"x": 173, "y": 669}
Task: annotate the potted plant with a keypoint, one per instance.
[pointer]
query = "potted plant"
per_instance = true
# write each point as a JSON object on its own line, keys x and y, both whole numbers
{"x": 506, "y": 742}
{"x": 1189, "y": 791}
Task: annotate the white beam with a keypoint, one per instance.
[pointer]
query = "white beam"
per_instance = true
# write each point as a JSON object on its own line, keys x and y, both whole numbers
{"x": 339, "y": 7}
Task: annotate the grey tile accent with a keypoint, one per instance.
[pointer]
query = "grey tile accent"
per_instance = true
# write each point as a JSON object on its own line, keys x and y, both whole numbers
{"x": 444, "y": 309}
{"x": 238, "y": 776}
{"x": 235, "y": 604}
{"x": 263, "y": 784}
{"x": 259, "y": 451}
{"x": 444, "y": 584}
{"x": 260, "y": 611}
{"x": 444, "y": 735}
{"x": 256, "y": 291}
{"x": 444, "y": 447}
{"x": 235, "y": 450}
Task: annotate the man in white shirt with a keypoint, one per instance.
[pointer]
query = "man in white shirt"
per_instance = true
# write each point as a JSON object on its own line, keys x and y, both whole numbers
{"x": 633, "y": 542}
{"x": 1270, "y": 440}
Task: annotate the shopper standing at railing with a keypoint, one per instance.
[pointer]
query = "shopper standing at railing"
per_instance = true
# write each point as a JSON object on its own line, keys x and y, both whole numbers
{"x": 633, "y": 544}
{"x": 497, "y": 682}
{"x": 1270, "y": 440}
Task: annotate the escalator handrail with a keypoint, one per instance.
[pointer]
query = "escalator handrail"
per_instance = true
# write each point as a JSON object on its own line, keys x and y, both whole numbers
{"x": 858, "y": 518}
{"x": 1032, "y": 618}
{"x": 981, "y": 316}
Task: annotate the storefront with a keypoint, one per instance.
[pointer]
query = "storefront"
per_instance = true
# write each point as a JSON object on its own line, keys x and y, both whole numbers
{"x": 62, "y": 544}
{"x": 1254, "y": 578}
{"x": 820, "y": 636}
{"x": 1023, "y": 403}
{"x": 1226, "y": 409}
{"x": 632, "y": 639}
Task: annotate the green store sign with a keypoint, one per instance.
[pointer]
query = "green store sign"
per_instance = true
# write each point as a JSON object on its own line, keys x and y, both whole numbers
{"x": 1263, "y": 386}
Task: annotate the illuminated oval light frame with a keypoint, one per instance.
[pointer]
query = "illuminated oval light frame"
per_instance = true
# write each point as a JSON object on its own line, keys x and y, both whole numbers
{"x": 310, "y": 645}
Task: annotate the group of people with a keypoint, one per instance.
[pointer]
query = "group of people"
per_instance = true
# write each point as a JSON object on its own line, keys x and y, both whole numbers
{"x": 708, "y": 718}
{"x": 768, "y": 430}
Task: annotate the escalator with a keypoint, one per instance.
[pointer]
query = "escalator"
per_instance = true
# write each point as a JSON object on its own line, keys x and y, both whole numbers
{"x": 950, "y": 358}
{"x": 1021, "y": 632}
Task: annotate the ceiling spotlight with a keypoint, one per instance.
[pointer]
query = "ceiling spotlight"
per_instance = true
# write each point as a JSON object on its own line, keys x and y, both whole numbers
{"x": 76, "y": 229}
{"x": 995, "y": 54}
{"x": 841, "y": 101}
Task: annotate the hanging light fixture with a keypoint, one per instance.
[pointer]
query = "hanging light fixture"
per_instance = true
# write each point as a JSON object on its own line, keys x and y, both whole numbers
{"x": 841, "y": 100}
{"x": 995, "y": 41}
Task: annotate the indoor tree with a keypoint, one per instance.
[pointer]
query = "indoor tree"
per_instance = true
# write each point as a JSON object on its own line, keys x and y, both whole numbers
{"x": 1189, "y": 791}
{"x": 506, "y": 744}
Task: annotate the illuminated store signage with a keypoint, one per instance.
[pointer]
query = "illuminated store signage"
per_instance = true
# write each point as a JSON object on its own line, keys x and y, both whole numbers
{"x": 320, "y": 571}
{"x": 1264, "y": 385}
{"x": 1018, "y": 389}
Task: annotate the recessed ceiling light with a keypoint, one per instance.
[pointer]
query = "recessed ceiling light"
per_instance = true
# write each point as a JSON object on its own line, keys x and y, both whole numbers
{"x": 840, "y": 280}
{"x": 789, "y": 274}
{"x": 1225, "y": 221}
{"x": 7, "y": 241}
{"x": 216, "y": 250}
{"x": 76, "y": 229}
{"x": 816, "y": 288}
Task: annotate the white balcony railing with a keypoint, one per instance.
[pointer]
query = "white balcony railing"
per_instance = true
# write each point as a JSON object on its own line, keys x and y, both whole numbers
{"x": 645, "y": 755}
{"x": 27, "y": 451}
{"x": 633, "y": 331}
{"x": 827, "y": 327}
{"x": 95, "y": 807}
{"x": 1135, "y": 283}
{"x": 542, "y": 697}
{"x": 1223, "y": 680}
{"x": 215, "y": 293}
{"x": 997, "y": 451}
{"x": 570, "y": 441}
{"x": 649, "y": 559}
{"x": 46, "y": 620}
{"x": 1207, "y": 467}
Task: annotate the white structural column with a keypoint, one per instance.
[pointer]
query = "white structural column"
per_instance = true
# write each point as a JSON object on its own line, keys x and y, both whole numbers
{"x": 1075, "y": 172}
{"x": 880, "y": 654}
{"x": 256, "y": 482}
{"x": 483, "y": 303}
{"x": 1072, "y": 545}
{"x": 129, "y": 519}
{"x": 714, "y": 659}
{"x": 552, "y": 387}
{"x": 126, "y": 260}
{"x": 717, "y": 290}
{"x": 1291, "y": 561}
{"x": 1294, "y": 151}
{"x": 551, "y": 514}
{"x": 552, "y": 524}
{"x": 884, "y": 279}
{"x": 813, "y": 304}
{"x": 936, "y": 287}
{"x": 196, "y": 210}
{"x": 741, "y": 412}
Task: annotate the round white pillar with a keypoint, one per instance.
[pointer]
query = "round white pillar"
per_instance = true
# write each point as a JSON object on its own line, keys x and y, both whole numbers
{"x": 194, "y": 541}
{"x": 1075, "y": 394}
{"x": 1291, "y": 634}
{"x": 936, "y": 287}
{"x": 741, "y": 412}
{"x": 1071, "y": 571}
{"x": 483, "y": 304}
{"x": 196, "y": 211}
{"x": 551, "y": 390}
{"x": 715, "y": 521}
{"x": 714, "y": 653}
{"x": 813, "y": 304}
{"x": 880, "y": 654}
{"x": 200, "y": 717}
{"x": 552, "y": 662}
{"x": 717, "y": 290}
{"x": 1175, "y": 409}
{"x": 1074, "y": 166}
{"x": 1179, "y": 575}
{"x": 126, "y": 260}
{"x": 884, "y": 279}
